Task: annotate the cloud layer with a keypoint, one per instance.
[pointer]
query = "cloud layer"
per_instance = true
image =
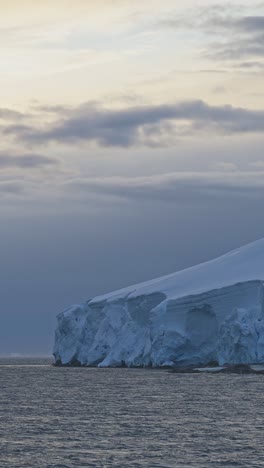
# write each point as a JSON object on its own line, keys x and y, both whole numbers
{"x": 178, "y": 187}
{"x": 156, "y": 125}
{"x": 25, "y": 161}
{"x": 230, "y": 32}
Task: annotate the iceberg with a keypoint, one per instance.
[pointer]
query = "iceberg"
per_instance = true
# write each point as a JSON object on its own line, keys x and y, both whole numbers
{"x": 212, "y": 312}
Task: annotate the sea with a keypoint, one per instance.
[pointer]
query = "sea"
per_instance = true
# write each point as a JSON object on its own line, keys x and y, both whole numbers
{"x": 84, "y": 417}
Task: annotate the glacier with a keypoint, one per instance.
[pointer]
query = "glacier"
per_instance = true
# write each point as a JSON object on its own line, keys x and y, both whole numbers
{"x": 212, "y": 312}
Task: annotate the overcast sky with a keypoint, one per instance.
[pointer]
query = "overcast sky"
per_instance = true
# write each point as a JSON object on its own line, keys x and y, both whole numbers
{"x": 131, "y": 147}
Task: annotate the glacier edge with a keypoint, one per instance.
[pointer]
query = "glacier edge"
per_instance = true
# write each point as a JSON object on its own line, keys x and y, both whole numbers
{"x": 224, "y": 325}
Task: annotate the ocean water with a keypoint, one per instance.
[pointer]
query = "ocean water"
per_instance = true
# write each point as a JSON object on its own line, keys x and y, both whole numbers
{"x": 78, "y": 417}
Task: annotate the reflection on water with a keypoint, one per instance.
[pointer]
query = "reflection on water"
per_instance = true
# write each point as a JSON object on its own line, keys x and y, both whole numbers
{"x": 77, "y": 417}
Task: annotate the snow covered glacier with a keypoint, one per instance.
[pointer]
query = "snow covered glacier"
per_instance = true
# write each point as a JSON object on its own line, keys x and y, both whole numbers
{"x": 211, "y": 312}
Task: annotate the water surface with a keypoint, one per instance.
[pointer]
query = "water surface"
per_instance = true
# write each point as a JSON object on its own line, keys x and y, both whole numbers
{"x": 78, "y": 417}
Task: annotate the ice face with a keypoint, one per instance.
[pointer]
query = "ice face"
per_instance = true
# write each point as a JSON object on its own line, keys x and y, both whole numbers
{"x": 211, "y": 312}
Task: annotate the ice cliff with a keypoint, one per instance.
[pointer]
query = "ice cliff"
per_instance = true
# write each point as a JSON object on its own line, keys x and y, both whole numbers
{"x": 210, "y": 312}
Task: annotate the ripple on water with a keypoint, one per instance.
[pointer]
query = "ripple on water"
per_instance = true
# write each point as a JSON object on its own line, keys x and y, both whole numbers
{"x": 78, "y": 417}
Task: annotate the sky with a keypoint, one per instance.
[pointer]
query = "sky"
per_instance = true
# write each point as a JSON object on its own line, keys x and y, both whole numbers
{"x": 131, "y": 147}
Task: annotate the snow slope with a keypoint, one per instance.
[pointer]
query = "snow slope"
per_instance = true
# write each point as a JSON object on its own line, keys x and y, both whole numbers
{"x": 210, "y": 312}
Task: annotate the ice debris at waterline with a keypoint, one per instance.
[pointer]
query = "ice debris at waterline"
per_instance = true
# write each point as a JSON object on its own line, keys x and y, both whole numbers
{"x": 210, "y": 312}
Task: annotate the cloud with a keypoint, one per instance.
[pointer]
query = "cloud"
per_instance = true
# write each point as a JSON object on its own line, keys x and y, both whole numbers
{"x": 225, "y": 166}
{"x": 177, "y": 187}
{"x": 241, "y": 36}
{"x": 10, "y": 114}
{"x": 156, "y": 125}
{"x": 257, "y": 164}
{"x": 251, "y": 65}
{"x": 228, "y": 31}
{"x": 229, "y": 20}
{"x": 25, "y": 161}
{"x": 219, "y": 90}
{"x": 14, "y": 187}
